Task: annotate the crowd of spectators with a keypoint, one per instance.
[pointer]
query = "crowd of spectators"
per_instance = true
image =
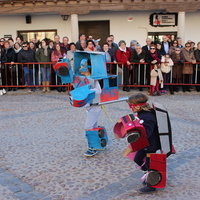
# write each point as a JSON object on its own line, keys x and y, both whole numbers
{"x": 155, "y": 64}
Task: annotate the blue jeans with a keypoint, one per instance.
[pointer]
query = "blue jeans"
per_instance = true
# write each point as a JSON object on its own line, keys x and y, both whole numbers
{"x": 45, "y": 71}
{"x": 28, "y": 76}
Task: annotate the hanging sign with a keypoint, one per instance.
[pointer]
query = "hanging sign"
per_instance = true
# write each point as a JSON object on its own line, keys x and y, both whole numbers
{"x": 163, "y": 19}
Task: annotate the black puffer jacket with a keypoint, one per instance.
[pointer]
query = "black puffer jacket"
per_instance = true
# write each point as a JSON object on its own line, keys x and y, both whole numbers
{"x": 7, "y": 55}
{"x": 26, "y": 56}
{"x": 151, "y": 127}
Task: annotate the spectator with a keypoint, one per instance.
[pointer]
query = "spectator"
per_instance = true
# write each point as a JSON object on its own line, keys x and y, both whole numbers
{"x": 97, "y": 46}
{"x": 110, "y": 57}
{"x": 65, "y": 44}
{"x": 192, "y": 45}
{"x": 146, "y": 48}
{"x": 123, "y": 55}
{"x": 34, "y": 40}
{"x": 2, "y": 40}
{"x": 51, "y": 45}
{"x": 32, "y": 46}
{"x": 43, "y": 54}
{"x": 8, "y": 71}
{"x": 152, "y": 57}
{"x": 173, "y": 47}
{"x": 90, "y": 46}
{"x": 113, "y": 39}
{"x": 165, "y": 44}
{"x": 19, "y": 39}
{"x": 138, "y": 56}
{"x": 70, "y": 54}
{"x": 159, "y": 49}
{"x": 57, "y": 39}
{"x": 156, "y": 80}
{"x": 82, "y": 45}
{"x": 166, "y": 65}
{"x": 11, "y": 42}
{"x": 57, "y": 55}
{"x": 188, "y": 55}
{"x": 197, "y": 56}
{"x": 133, "y": 44}
{"x": 112, "y": 45}
{"x": 90, "y": 37}
{"x": 178, "y": 59}
{"x": 27, "y": 55}
{"x": 82, "y": 38}
{"x": 179, "y": 39}
{"x": 17, "y": 49}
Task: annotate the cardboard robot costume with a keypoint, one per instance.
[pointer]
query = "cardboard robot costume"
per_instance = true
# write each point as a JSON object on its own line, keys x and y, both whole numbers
{"x": 91, "y": 91}
{"x": 132, "y": 128}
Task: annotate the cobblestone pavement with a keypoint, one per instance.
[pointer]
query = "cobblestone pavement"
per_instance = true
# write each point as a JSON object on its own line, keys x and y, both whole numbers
{"x": 42, "y": 144}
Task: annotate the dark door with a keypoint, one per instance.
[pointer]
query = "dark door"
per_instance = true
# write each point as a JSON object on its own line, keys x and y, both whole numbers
{"x": 98, "y": 29}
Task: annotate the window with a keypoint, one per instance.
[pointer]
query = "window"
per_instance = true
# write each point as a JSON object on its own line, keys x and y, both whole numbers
{"x": 37, "y": 34}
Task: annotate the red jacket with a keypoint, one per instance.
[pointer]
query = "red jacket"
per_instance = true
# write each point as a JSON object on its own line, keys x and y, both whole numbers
{"x": 122, "y": 56}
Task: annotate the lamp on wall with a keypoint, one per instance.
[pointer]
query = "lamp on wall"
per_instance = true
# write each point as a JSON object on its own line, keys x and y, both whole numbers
{"x": 65, "y": 17}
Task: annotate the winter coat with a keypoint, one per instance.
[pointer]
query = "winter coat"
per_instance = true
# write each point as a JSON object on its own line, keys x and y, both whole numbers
{"x": 7, "y": 55}
{"x": 166, "y": 68}
{"x": 135, "y": 57}
{"x": 189, "y": 57}
{"x": 123, "y": 56}
{"x": 154, "y": 74}
{"x": 178, "y": 60}
{"x": 40, "y": 57}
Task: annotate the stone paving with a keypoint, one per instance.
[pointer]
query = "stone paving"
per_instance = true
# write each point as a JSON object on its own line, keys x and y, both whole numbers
{"x": 42, "y": 144}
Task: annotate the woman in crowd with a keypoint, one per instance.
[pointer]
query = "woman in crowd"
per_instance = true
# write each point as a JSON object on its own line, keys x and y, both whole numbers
{"x": 43, "y": 54}
{"x": 187, "y": 72}
{"x": 57, "y": 55}
{"x": 19, "y": 39}
{"x": 178, "y": 59}
{"x": 159, "y": 49}
{"x": 8, "y": 71}
{"x": 90, "y": 46}
{"x": 123, "y": 54}
{"x": 70, "y": 54}
{"x": 17, "y": 49}
{"x": 173, "y": 47}
{"x": 110, "y": 57}
{"x": 138, "y": 56}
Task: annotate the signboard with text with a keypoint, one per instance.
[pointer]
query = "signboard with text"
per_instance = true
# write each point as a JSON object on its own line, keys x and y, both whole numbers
{"x": 163, "y": 19}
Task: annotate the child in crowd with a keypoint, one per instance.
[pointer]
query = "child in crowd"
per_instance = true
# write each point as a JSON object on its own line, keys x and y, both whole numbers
{"x": 156, "y": 81}
{"x": 166, "y": 65}
{"x": 138, "y": 104}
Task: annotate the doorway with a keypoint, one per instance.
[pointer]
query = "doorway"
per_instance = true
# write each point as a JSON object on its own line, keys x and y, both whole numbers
{"x": 98, "y": 29}
{"x": 157, "y": 36}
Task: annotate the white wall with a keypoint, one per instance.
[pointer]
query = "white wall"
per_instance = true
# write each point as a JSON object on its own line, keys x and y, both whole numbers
{"x": 12, "y": 24}
{"x": 192, "y": 27}
{"x": 119, "y": 25}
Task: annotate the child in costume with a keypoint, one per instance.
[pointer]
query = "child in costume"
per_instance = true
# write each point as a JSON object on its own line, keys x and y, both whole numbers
{"x": 92, "y": 111}
{"x": 156, "y": 81}
{"x": 138, "y": 104}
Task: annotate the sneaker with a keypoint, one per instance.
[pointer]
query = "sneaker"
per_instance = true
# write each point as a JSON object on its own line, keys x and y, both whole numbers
{"x": 90, "y": 152}
{"x": 1, "y": 92}
{"x": 146, "y": 190}
{"x": 102, "y": 149}
{"x": 4, "y": 91}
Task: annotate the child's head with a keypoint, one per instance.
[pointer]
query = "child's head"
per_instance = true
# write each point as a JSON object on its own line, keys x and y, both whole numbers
{"x": 167, "y": 57}
{"x": 138, "y": 102}
{"x": 85, "y": 67}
